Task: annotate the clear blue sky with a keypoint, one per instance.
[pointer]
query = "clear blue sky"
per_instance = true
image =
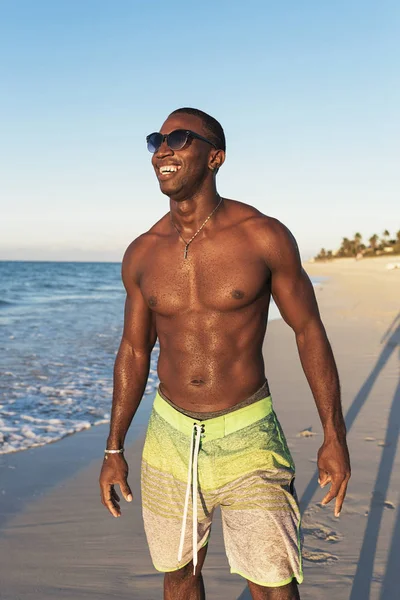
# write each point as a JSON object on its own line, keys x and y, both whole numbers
{"x": 308, "y": 94}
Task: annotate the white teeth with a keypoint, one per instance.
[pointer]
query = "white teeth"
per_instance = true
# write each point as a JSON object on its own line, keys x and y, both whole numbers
{"x": 168, "y": 169}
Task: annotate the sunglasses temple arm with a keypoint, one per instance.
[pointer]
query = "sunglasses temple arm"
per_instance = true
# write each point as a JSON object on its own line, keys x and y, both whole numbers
{"x": 200, "y": 137}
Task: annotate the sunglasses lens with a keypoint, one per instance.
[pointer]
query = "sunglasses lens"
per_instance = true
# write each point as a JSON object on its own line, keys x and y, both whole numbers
{"x": 177, "y": 139}
{"x": 154, "y": 141}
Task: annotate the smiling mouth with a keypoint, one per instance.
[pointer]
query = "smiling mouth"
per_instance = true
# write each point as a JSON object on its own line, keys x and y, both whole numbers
{"x": 168, "y": 170}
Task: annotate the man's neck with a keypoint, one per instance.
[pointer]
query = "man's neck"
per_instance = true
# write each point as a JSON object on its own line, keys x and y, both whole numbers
{"x": 189, "y": 214}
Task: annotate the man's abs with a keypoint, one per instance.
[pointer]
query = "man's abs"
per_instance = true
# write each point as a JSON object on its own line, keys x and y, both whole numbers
{"x": 203, "y": 370}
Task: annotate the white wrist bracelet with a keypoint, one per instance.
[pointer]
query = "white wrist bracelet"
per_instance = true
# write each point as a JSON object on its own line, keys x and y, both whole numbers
{"x": 120, "y": 451}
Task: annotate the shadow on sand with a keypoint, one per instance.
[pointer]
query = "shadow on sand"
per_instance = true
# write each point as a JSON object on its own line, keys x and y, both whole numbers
{"x": 363, "y": 577}
{"x": 364, "y": 572}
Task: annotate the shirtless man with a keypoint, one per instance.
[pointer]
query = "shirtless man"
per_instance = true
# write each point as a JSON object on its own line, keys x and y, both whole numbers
{"x": 201, "y": 280}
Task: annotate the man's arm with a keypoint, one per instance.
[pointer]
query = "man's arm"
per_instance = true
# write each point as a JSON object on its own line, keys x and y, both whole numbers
{"x": 131, "y": 371}
{"x": 295, "y": 298}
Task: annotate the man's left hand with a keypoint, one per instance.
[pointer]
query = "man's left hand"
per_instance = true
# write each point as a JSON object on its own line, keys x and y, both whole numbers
{"x": 334, "y": 468}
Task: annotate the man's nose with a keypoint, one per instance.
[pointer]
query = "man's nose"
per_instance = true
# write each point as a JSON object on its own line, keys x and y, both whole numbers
{"x": 164, "y": 150}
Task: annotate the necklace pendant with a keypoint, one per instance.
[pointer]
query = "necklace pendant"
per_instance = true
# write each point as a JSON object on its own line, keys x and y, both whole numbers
{"x": 185, "y": 253}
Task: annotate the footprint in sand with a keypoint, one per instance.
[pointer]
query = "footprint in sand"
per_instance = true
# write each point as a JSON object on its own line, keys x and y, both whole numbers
{"x": 321, "y": 533}
{"x": 316, "y": 507}
{"x": 385, "y": 504}
{"x": 319, "y": 557}
{"x": 307, "y": 432}
{"x": 378, "y": 499}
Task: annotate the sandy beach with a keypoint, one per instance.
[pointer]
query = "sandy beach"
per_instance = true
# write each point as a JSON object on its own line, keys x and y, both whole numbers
{"x": 58, "y": 541}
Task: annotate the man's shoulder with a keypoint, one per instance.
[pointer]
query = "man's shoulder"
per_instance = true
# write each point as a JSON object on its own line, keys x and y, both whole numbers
{"x": 258, "y": 223}
{"x": 267, "y": 236}
{"x": 271, "y": 230}
{"x": 147, "y": 239}
{"x": 135, "y": 254}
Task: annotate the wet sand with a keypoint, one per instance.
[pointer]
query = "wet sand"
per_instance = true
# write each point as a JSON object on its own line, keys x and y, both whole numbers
{"x": 57, "y": 541}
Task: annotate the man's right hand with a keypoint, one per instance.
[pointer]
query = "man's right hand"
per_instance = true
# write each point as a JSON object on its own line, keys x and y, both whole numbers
{"x": 114, "y": 471}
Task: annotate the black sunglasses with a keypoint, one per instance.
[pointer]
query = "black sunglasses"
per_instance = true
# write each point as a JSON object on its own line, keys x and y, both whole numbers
{"x": 176, "y": 140}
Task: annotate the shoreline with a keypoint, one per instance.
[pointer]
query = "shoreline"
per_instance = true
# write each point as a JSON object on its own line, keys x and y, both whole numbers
{"x": 59, "y": 461}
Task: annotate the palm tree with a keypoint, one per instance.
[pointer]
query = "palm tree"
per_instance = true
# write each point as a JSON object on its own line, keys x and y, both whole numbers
{"x": 357, "y": 242}
{"x": 385, "y": 237}
{"x": 346, "y": 246}
{"x": 373, "y": 240}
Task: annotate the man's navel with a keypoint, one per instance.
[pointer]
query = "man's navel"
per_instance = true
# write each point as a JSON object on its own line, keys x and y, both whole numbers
{"x": 197, "y": 382}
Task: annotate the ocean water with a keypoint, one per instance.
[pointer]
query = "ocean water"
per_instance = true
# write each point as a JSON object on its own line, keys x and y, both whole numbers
{"x": 60, "y": 328}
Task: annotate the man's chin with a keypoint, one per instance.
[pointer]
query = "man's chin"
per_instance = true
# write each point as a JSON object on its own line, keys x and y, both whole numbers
{"x": 169, "y": 189}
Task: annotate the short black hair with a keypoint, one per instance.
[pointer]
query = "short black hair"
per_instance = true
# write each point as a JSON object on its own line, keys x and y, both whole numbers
{"x": 211, "y": 125}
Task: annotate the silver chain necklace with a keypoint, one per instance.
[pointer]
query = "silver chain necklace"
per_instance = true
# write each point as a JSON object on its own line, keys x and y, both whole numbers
{"x": 187, "y": 244}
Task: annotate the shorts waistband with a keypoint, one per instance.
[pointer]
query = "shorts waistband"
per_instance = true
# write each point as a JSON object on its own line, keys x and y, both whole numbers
{"x": 215, "y": 427}
{"x": 262, "y": 392}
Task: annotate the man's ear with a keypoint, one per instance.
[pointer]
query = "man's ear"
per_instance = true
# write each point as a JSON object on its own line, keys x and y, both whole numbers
{"x": 217, "y": 159}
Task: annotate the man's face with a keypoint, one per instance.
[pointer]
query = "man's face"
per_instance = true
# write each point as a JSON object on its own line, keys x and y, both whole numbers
{"x": 191, "y": 162}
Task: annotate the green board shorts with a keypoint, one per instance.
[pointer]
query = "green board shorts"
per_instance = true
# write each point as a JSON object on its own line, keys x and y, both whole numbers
{"x": 240, "y": 462}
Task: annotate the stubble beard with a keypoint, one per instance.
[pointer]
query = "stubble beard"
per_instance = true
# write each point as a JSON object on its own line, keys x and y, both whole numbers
{"x": 179, "y": 192}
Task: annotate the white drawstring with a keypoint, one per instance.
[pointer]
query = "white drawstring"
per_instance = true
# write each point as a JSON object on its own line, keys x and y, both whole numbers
{"x": 195, "y": 475}
{"x": 192, "y": 474}
{"x": 185, "y": 510}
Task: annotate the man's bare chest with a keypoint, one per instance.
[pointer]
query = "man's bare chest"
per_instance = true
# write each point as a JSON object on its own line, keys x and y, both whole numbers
{"x": 210, "y": 278}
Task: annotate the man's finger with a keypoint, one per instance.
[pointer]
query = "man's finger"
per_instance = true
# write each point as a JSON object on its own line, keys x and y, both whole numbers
{"x": 340, "y": 497}
{"x": 334, "y": 490}
{"x": 113, "y": 506}
{"x": 126, "y": 491}
{"x": 324, "y": 478}
{"x": 108, "y": 501}
{"x": 114, "y": 495}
